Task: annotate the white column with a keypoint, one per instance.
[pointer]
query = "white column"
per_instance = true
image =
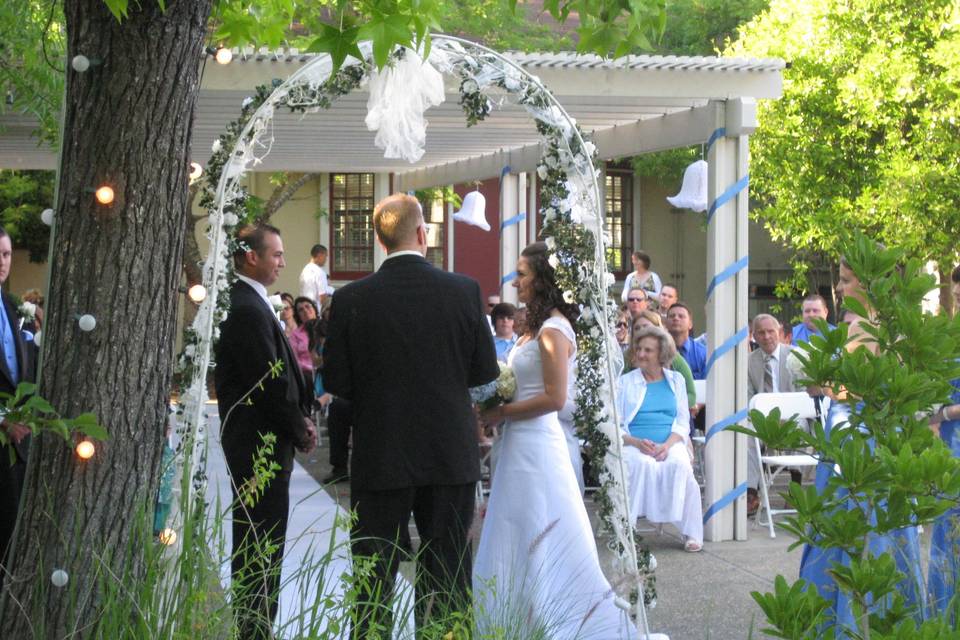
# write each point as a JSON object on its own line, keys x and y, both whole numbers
{"x": 522, "y": 240}
{"x": 725, "y": 453}
{"x": 508, "y": 237}
{"x": 323, "y": 204}
{"x": 449, "y": 226}
{"x": 381, "y": 189}
{"x": 532, "y": 208}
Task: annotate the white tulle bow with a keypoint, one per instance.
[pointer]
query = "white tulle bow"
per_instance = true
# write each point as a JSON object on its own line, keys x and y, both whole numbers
{"x": 399, "y": 95}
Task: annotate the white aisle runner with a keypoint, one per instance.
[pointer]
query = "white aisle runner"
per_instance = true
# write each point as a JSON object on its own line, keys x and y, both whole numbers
{"x": 316, "y": 559}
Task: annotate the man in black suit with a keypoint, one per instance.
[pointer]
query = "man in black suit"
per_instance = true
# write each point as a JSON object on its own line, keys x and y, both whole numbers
{"x": 404, "y": 346}
{"x": 16, "y": 365}
{"x": 254, "y": 399}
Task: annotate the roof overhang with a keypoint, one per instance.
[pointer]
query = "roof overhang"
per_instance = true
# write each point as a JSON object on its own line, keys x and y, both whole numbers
{"x": 629, "y": 106}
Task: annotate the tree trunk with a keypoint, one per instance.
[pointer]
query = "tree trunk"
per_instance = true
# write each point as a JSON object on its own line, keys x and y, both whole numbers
{"x": 127, "y": 124}
{"x": 283, "y": 192}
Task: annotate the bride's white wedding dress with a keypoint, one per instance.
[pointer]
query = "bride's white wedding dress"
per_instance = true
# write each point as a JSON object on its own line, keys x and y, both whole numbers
{"x": 537, "y": 574}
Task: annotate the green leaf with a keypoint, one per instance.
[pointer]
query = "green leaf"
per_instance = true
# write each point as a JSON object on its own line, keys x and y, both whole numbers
{"x": 339, "y": 44}
{"x": 386, "y": 31}
{"x": 118, "y": 8}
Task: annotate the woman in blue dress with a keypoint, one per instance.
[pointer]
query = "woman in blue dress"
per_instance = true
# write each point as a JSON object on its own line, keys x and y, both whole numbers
{"x": 902, "y": 544}
{"x": 945, "y": 544}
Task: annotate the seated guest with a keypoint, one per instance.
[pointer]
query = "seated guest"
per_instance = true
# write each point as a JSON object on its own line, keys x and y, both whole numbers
{"x": 623, "y": 337}
{"x": 637, "y": 301}
{"x": 641, "y": 277}
{"x": 34, "y": 297}
{"x": 680, "y": 324}
{"x": 503, "y": 335}
{"x": 652, "y": 404}
{"x": 652, "y": 319}
{"x": 305, "y": 311}
{"x": 814, "y": 306}
{"x": 768, "y": 371}
{"x": 669, "y": 296}
{"x": 492, "y": 301}
{"x": 287, "y": 316}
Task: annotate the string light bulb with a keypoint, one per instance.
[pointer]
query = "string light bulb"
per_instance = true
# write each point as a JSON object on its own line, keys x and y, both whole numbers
{"x": 59, "y": 578}
{"x": 167, "y": 536}
{"x": 197, "y": 293}
{"x": 85, "y": 449}
{"x": 195, "y": 171}
{"x": 223, "y": 55}
{"x": 80, "y": 63}
{"x": 104, "y": 195}
{"x": 87, "y": 322}
{"x": 46, "y": 216}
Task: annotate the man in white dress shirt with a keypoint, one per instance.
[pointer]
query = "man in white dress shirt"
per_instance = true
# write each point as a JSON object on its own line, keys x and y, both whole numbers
{"x": 767, "y": 372}
{"x": 313, "y": 279}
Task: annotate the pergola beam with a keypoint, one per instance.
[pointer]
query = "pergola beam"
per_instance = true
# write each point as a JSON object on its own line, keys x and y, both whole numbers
{"x": 678, "y": 129}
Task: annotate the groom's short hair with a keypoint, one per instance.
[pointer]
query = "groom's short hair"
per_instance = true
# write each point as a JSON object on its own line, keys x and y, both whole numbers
{"x": 396, "y": 219}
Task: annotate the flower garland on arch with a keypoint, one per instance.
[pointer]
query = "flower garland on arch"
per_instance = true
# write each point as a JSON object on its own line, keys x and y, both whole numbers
{"x": 234, "y": 212}
{"x": 568, "y": 206}
{"x": 572, "y": 229}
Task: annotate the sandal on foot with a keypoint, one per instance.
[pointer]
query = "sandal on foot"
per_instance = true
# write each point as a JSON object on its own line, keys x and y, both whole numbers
{"x": 692, "y": 546}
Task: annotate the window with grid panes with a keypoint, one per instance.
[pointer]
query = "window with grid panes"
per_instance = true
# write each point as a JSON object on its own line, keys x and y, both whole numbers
{"x": 618, "y": 221}
{"x": 351, "y": 224}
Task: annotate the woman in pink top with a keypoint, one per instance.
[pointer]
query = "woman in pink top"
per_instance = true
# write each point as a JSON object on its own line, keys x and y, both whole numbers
{"x": 305, "y": 311}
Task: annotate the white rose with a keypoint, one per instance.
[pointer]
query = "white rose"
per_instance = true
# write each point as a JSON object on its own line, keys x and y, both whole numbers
{"x": 568, "y": 297}
{"x": 589, "y": 148}
{"x": 553, "y": 260}
{"x": 542, "y": 172}
{"x": 216, "y": 146}
{"x": 586, "y": 314}
{"x": 608, "y": 280}
{"x": 246, "y": 102}
{"x": 652, "y": 605}
{"x": 551, "y": 243}
{"x": 549, "y": 214}
{"x": 230, "y": 219}
{"x": 469, "y": 86}
{"x": 653, "y": 563}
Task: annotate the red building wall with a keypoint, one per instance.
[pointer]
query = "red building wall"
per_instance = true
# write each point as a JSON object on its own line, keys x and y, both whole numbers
{"x": 476, "y": 253}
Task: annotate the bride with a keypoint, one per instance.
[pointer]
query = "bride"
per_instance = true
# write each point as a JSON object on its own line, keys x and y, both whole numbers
{"x": 537, "y": 573}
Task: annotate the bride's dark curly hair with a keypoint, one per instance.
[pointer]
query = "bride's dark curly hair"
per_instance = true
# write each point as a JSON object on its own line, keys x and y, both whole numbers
{"x": 547, "y": 296}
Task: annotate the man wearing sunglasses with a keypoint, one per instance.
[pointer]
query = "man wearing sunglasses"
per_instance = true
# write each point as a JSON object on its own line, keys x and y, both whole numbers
{"x": 637, "y": 302}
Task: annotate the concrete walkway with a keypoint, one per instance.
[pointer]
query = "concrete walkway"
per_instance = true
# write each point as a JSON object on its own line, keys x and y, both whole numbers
{"x": 702, "y": 595}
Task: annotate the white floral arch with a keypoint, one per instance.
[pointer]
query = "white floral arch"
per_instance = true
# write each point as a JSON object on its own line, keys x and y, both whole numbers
{"x": 573, "y": 229}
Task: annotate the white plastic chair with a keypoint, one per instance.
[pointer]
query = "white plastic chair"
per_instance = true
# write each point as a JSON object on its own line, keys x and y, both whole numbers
{"x": 802, "y": 407}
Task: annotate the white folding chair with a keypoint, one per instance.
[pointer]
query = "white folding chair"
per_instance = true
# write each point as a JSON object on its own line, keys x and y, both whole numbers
{"x": 803, "y": 407}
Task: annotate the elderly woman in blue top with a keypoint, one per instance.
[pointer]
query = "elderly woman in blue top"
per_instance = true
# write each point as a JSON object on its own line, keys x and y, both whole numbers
{"x": 652, "y": 405}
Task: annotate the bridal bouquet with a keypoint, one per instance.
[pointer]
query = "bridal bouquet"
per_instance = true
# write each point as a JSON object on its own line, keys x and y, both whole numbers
{"x": 498, "y": 392}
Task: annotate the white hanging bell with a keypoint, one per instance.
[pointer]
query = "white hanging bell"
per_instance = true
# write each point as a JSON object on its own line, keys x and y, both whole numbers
{"x": 472, "y": 210}
{"x": 693, "y": 191}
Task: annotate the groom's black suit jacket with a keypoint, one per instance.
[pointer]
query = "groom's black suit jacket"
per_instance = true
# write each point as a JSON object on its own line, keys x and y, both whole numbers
{"x": 250, "y": 340}
{"x": 404, "y": 345}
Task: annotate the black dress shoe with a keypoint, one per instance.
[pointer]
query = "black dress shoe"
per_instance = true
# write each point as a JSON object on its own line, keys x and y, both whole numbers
{"x": 337, "y": 475}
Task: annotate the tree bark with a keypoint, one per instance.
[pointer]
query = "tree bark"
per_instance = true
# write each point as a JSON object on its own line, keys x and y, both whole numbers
{"x": 127, "y": 124}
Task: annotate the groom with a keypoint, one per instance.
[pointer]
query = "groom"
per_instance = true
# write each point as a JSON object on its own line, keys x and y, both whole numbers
{"x": 404, "y": 345}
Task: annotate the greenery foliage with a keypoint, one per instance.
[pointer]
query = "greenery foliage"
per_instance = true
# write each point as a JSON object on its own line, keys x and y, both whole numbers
{"x": 900, "y": 472}
{"x": 25, "y": 407}
{"x": 32, "y": 48}
{"x": 23, "y": 196}
{"x": 866, "y": 134}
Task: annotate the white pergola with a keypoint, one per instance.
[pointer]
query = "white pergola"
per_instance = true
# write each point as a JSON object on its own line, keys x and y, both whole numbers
{"x": 628, "y": 107}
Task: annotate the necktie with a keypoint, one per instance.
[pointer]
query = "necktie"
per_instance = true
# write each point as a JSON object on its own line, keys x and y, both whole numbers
{"x": 767, "y": 373}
